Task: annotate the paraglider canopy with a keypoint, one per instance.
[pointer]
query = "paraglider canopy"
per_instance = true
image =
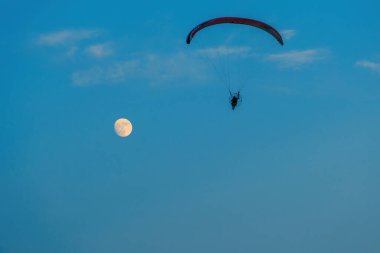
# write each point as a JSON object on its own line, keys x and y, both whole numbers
{"x": 235, "y": 98}
{"x": 235, "y": 20}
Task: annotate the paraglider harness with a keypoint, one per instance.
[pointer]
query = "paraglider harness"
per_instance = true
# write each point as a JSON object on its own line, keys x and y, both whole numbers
{"x": 235, "y": 99}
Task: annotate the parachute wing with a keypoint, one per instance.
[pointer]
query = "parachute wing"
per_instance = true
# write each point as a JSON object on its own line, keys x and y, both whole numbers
{"x": 234, "y": 20}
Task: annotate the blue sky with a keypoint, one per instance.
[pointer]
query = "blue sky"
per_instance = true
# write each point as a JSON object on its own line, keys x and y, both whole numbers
{"x": 294, "y": 169}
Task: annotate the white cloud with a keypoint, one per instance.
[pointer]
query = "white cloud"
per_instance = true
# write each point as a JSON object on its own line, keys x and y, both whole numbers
{"x": 71, "y": 52}
{"x": 65, "y": 36}
{"x": 369, "y": 65}
{"x": 288, "y": 34}
{"x": 99, "y": 50}
{"x": 114, "y": 73}
{"x": 151, "y": 68}
{"x": 214, "y": 52}
{"x": 298, "y": 58}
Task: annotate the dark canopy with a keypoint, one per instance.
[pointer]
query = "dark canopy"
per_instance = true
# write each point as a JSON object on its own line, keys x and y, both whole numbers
{"x": 234, "y": 20}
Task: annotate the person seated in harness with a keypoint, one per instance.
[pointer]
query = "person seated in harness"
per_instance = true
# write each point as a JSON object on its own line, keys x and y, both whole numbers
{"x": 235, "y": 99}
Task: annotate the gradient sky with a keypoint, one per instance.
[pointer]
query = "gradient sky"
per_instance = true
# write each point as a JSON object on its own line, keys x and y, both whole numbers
{"x": 294, "y": 169}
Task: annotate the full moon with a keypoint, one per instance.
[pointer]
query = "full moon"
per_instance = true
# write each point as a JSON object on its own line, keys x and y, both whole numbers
{"x": 123, "y": 127}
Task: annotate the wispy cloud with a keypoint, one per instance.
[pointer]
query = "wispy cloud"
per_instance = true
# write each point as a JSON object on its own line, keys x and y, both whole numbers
{"x": 153, "y": 69}
{"x": 220, "y": 51}
{"x": 99, "y": 50}
{"x": 288, "y": 34}
{"x": 369, "y": 65}
{"x": 298, "y": 58}
{"x": 72, "y": 51}
{"x": 114, "y": 73}
{"x": 65, "y": 37}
